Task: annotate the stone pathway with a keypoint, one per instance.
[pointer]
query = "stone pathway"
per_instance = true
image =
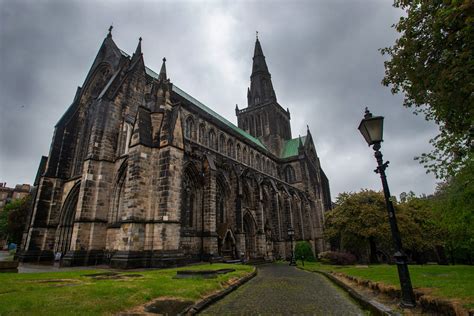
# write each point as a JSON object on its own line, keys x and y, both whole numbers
{"x": 279, "y": 289}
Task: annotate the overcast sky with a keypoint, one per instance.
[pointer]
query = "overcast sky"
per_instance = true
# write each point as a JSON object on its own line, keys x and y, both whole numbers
{"x": 323, "y": 57}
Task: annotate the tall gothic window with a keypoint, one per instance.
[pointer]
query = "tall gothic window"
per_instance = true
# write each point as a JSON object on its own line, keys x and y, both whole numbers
{"x": 230, "y": 148}
{"x": 189, "y": 128}
{"x": 239, "y": 158}
{"x": 257, "y": 162}
{"x": 188, "y": 209}
{"x": 245, "y": 155}
{"x": 222, "y": 143}
{"x": 202, "y": 134}
{"x": 258, "y": 126}
{"x": 191, "y": 198}
{"x": 290, "y": 174}
{"x": 212, "y": 139}
{"x": 118, "y": 199}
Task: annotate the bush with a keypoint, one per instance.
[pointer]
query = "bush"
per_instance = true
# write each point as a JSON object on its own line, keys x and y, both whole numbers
{"x": 340, "y": 258}
{"x": 304, "y": 251}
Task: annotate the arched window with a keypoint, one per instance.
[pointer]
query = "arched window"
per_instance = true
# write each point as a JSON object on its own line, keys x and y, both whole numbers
{"x": 124, "y": 138}
{"x": 258, "y": 126}
{"x": 230, "y": 148}
{"x": 290, "y": 174}
{"x": 222, "y": 144}
{"x": 239, "y": 157}
{"x": 118, "y": 196}
{"x": 202, "y": 134}
{"x": 251, "y": 160}
{"x": 191, "y": 198}
{"x": 245, "y": 155}
{"x": 188, "y": 209}
{"x": 212, "y": 139}
{"x": 189, "y": 131}
{"x": 252, "y": 125}
{"x": 257, "y": 162}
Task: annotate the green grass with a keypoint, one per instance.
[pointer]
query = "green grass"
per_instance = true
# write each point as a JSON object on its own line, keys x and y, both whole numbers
{"x": 451, "y": 282}
{"x": 69, "y": 293}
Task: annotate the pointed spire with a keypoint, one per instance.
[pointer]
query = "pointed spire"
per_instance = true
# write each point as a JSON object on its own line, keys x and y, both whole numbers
{"x": 261, "y": 87}
{"x": 138, "y": 51}
{"x": 259, "y": 63}
{"x": 137, "y": 55}
{"x": 162, "y": 75}
{"x": 110, "y": 31}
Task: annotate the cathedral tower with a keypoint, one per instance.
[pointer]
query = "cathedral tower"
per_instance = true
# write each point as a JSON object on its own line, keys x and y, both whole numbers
{"x": 264, "y": 118}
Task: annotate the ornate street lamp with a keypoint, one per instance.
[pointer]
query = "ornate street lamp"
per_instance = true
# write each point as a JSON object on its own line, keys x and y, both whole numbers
{"x": 372, "y": 130}
{"x": 291, "y": 233}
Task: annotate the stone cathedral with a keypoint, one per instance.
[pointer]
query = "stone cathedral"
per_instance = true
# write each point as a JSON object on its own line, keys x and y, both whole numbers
{"x": 141, "y": 174}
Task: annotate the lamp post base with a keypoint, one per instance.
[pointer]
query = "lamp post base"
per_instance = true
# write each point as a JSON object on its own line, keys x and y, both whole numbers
{"x": 408, "y": 297}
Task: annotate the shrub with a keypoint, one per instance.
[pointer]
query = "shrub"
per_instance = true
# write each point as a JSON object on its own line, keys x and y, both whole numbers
{"x": 304, "y": 251}
{"x": 340, "y": 258}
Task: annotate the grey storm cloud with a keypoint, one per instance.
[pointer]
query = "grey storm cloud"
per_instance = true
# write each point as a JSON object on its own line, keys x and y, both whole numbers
{"x": 323, "y": 56}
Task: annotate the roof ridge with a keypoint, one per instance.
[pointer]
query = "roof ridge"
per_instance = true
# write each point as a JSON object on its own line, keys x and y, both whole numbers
{"x": 204, "y": 107}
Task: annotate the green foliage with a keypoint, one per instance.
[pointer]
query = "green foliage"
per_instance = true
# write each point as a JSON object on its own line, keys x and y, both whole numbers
{"x": 13, "y": 220}
{"x": 432, "y": 63}
{"x": 73, "y": 293}
{"x": 358, "y": 218}
{"x": 359, "y": 224}
{"x": 304, "y": 251}
{"x": 453, "y": 204}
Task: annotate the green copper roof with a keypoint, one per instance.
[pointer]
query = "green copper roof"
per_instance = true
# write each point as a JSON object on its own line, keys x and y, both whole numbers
{"x": 217, "y": 116}
{"x": 206, "y": 109}
{"x": 291, "y": 146}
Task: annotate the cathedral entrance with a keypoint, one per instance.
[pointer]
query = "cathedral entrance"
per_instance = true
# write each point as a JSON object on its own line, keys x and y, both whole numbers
{"x": 227, "y": 248}
{"x": 66, "y": 221}
{"x": 250, "y": 236}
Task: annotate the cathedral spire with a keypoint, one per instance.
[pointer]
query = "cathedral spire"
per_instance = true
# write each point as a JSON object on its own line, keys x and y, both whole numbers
{"x": 162, "y": 75}
{"x": 110, "y": 31}
{"x": 138, "y": 54}
{"x": 259, "y": 63}
{"x": 261, "y": 88}
{"x": 138, "y": 50}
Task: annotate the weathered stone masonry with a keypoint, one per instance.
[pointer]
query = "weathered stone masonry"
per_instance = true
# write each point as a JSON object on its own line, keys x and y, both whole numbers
{"x": 142, "y": 174}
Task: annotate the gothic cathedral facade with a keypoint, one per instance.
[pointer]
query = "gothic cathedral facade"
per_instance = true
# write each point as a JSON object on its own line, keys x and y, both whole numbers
{"x": 141, "y": 174}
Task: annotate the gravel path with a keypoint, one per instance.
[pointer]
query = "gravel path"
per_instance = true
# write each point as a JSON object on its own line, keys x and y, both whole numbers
{"x": 279, "y": 289}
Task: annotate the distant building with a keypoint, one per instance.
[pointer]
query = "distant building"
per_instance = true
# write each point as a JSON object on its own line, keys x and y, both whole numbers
{"x": 140, "y": 173}
{"x": 9, "y": 194}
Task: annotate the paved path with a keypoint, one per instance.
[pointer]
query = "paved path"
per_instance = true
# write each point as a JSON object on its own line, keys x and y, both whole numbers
{"x": 282, "y": 290}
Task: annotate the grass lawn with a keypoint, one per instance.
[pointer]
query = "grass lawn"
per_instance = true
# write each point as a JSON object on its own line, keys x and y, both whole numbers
{"x": 452, "y": 282}
{"x": 60, "y": 293}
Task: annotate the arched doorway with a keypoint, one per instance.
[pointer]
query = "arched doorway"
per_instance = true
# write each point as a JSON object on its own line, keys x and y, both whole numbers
{"x": 66, "y": 220}
{"x": 226, "y": 243}
{"x": 250, "y": 236}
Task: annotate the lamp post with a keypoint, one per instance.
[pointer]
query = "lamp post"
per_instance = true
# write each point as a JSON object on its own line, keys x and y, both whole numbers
{"x": 291, "y": 233}
{"x": 372, "y": 130}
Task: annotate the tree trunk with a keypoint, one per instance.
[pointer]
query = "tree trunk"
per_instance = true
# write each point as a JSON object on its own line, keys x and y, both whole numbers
{"x": 373, "y": 251}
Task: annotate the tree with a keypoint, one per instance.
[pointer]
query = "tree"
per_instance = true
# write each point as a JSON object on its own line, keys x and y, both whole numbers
{"x": 359, "y": 224}
{"x": 13, "y": 219}
{"x": 432, "y": 63}
{"x": 453, "y": 204}
{"x": 303, "y": 251}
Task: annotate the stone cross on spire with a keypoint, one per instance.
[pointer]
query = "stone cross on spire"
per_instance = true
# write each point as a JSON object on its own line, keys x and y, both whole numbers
{"x": 162, "y": 75}
{"x": 110, "y": 31}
